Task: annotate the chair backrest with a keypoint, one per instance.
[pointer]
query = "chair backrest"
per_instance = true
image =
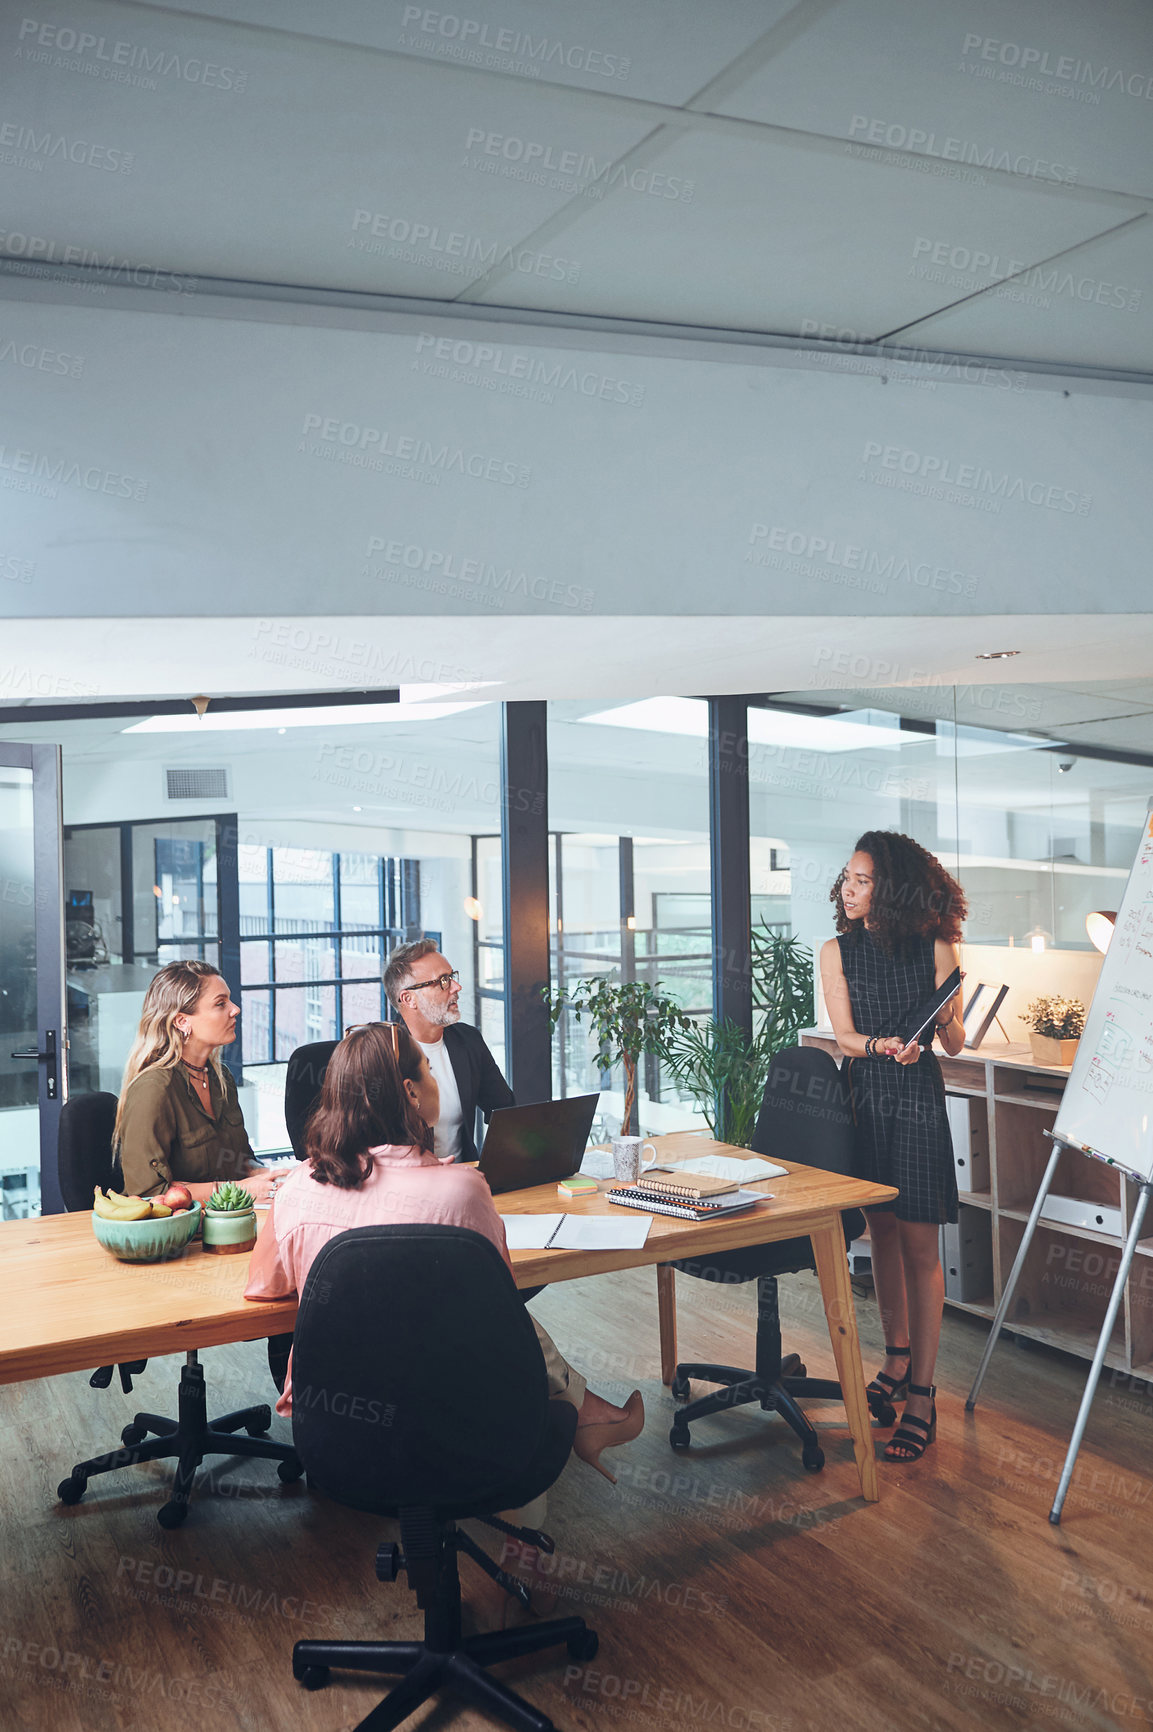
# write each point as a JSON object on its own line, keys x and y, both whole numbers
{"x": 807, "y": 1115}
{"x": 84, "y": 1148}
{"x": 806, "y": 1111}
{"x": 302, "y": 1084}
{"x": 417, "y": 1378}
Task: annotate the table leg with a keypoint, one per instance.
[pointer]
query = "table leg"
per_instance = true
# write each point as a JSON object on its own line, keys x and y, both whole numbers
{"x": 667, "y": 1318}
{"x": 837, "y": 1295}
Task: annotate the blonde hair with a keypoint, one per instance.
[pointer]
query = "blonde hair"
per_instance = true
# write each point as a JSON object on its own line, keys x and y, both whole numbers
{"x": 174, "y": 991}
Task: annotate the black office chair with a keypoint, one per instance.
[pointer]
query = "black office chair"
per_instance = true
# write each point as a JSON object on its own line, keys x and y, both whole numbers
{"x": 84, "y": 1159}
{"x": 443, "y": 1414}
{"x": 302, "y": 1085}
{"x": 806, "y": 1116}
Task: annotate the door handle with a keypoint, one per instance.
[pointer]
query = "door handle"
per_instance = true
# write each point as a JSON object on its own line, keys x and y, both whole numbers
{"x": 50, "y": 1058}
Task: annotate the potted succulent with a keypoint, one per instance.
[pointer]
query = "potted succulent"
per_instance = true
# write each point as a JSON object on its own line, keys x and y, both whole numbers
{"x": 629, "y": 1017}
{"x": 1055, "y": 1026}
{"x": 229, "y": 1220}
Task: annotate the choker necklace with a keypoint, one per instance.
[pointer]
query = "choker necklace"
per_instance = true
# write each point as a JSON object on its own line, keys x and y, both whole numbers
{"x": 199, "y": 1070}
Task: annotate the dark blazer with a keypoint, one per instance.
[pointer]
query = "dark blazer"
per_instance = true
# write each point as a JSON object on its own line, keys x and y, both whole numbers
{"x": 478, "y": 1081}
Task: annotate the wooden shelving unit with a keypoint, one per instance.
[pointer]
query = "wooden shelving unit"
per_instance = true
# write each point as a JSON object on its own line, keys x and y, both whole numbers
{"x": 1064, "y": 1288}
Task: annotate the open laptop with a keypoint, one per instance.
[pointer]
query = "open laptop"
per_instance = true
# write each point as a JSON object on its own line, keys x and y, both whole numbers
{"x": 531, "y": 1145}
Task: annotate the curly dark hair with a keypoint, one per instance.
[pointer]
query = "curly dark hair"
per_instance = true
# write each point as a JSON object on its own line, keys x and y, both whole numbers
{"x": 913, "y": 895}
{"x": 362, "y": 1103}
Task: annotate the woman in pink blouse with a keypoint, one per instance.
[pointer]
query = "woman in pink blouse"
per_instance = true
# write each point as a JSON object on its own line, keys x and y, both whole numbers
{"x": 370, "y": 1161}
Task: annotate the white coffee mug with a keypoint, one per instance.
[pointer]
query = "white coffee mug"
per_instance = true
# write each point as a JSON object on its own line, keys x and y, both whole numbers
{"x": 628, "y": 1164}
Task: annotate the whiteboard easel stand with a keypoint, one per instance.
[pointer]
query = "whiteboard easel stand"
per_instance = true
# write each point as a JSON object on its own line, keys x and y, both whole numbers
{"x": 1146, "y": 1192}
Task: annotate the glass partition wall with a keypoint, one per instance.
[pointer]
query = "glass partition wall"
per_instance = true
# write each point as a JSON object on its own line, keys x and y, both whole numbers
{"x": 292, "y": 852}
{"x": 629, "y": 881}
{"x": 343, "y": 832}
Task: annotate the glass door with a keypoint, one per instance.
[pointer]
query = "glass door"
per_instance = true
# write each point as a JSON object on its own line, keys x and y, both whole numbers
{"x": 33, "y": 1034}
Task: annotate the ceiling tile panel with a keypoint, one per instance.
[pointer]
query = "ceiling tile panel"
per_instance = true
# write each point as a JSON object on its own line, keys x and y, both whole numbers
{"x": 656, "y": 50}
{"x": 1048, "y": 89}
{"x": 791, "y": 236}
{"x": 1093, "y": 306}
{"x": 315, "y": 165}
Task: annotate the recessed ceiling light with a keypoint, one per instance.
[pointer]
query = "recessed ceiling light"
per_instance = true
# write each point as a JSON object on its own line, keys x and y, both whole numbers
{"x": 996, "y": 655}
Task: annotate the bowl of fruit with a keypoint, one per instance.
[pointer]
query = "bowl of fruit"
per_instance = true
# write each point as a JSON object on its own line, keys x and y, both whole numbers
{"x": 145, "y": 1229}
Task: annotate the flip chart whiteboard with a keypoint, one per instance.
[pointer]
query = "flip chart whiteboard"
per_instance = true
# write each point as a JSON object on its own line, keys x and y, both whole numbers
{"x": 1107, "y": 1108}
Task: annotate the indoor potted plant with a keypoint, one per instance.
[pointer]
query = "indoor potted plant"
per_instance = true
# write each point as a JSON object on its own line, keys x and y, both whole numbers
{"x": 629, "y": 1018}
{"x": 229, "y": 1220}
{"x": 724, "y": 1066}
{"x": 1055, "y": 1026}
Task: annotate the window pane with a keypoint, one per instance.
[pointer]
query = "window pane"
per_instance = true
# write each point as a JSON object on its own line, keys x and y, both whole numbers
{"x": 304, "y": 959}
{"x": 255, "y": 1014}
{"x": 628, "y": 792}
{"x": 302, "y": 887}
{"x": 304, "y": 1014}
{"x": 252, "y": 864}
{"x": 255, "y": 961}
{"x": 362, "y": 1004}
{"x": 361, "y": 955}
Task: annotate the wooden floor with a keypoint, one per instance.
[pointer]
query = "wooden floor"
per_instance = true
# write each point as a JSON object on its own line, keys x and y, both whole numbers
{"x": 730, "y": 1589}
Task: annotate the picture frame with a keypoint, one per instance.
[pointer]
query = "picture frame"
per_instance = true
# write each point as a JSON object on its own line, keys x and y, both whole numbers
{"x": 981, "y": 1012}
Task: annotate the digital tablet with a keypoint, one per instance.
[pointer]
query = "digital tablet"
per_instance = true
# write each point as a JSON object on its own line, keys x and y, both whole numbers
{"x": 930, "y": 1009}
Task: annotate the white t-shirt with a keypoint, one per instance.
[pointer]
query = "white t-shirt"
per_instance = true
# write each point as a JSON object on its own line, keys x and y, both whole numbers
{"x": 446, "y": 1131}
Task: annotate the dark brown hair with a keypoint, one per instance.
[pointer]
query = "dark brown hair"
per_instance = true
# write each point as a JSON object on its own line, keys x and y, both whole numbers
{"x": 913, "y": 895}
{"x": 363, "y": 1103}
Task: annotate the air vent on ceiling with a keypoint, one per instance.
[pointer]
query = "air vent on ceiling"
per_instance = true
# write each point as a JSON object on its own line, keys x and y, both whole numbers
{"x": 197, "y": 784}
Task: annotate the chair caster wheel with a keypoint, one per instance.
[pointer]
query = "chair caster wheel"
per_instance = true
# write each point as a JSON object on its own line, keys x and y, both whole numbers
{"x": 260, "y": 1422}
{"x": 388, "y": 1563}
{"x": 172, "y": 1515}
{"x": 72, "y": 1489}
{"x": 313, "y": 1677}
{"x": 583, "y": 1647}
{"x": 812, "y": 1458}
{"x": 289, "y": 1472}
{"x": 679, "y": 1389}
{"x": 679, "y": 1437}
{"x": 133, "y": 1434}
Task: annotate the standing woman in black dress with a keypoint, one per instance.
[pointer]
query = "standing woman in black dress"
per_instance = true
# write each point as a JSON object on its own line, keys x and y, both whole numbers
{"x": 899, "y": 916}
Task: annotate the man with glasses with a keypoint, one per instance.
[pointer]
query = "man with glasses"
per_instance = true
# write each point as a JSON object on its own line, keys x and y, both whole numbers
{"x": 425, "y": 990}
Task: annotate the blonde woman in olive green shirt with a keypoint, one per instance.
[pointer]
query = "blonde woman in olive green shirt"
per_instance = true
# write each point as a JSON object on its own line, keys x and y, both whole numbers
{"x": 178, "y": 1117}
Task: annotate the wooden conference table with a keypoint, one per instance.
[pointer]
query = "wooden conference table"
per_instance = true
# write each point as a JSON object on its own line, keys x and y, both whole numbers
{"x": 66, "y": 1304}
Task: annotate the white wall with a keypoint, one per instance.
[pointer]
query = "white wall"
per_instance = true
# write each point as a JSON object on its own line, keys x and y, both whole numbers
{"x": 236, "y": 460}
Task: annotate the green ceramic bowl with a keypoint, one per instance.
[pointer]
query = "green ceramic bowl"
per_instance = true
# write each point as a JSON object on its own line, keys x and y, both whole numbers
{"x": 148, "y": 1241}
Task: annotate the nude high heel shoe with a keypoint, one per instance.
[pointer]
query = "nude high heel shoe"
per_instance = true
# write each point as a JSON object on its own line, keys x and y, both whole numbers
{"x": 589, "y": 1440}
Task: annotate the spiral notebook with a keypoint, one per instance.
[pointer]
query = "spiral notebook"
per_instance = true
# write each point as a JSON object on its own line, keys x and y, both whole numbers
{"x": 686, "y": 1209}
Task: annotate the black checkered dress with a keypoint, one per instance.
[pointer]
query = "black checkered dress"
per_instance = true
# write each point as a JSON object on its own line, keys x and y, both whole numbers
{"x": 902, "y": 1132}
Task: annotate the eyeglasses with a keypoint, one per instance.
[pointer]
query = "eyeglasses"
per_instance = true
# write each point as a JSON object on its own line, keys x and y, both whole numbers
{"x": 392, "y": 1030}
{"x": 444, "y": 981}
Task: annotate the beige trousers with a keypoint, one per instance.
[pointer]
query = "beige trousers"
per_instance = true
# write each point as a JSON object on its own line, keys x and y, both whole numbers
{"x": 564, "y": 1384}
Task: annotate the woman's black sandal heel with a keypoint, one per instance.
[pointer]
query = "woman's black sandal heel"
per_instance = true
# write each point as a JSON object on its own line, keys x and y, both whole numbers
{"x": 906, "y": 1445}
{"x": 885, "y": 1390}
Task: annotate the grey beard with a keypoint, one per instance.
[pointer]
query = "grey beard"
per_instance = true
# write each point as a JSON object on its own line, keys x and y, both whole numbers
{"x": 444, "y": 1017}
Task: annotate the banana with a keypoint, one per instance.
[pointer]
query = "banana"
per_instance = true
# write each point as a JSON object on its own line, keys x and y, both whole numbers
{"x": 114, "y": 1207}
{"x": 158, "y": 1210}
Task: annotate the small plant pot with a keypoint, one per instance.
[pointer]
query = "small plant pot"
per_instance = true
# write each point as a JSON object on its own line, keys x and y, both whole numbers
{"x": 227, "y": 1231}
{"x": 1046, "y": 1050}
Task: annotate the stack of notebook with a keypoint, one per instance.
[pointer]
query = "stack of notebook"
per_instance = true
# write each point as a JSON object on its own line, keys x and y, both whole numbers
{"x": 691, "y": 1196}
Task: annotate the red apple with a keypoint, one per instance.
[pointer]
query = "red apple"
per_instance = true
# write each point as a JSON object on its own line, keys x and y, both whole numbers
{"x": 176, "y": 1198}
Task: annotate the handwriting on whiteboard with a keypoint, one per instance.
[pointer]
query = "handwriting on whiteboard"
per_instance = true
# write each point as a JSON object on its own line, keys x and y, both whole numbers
{"x": 1098, "y": 1080}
